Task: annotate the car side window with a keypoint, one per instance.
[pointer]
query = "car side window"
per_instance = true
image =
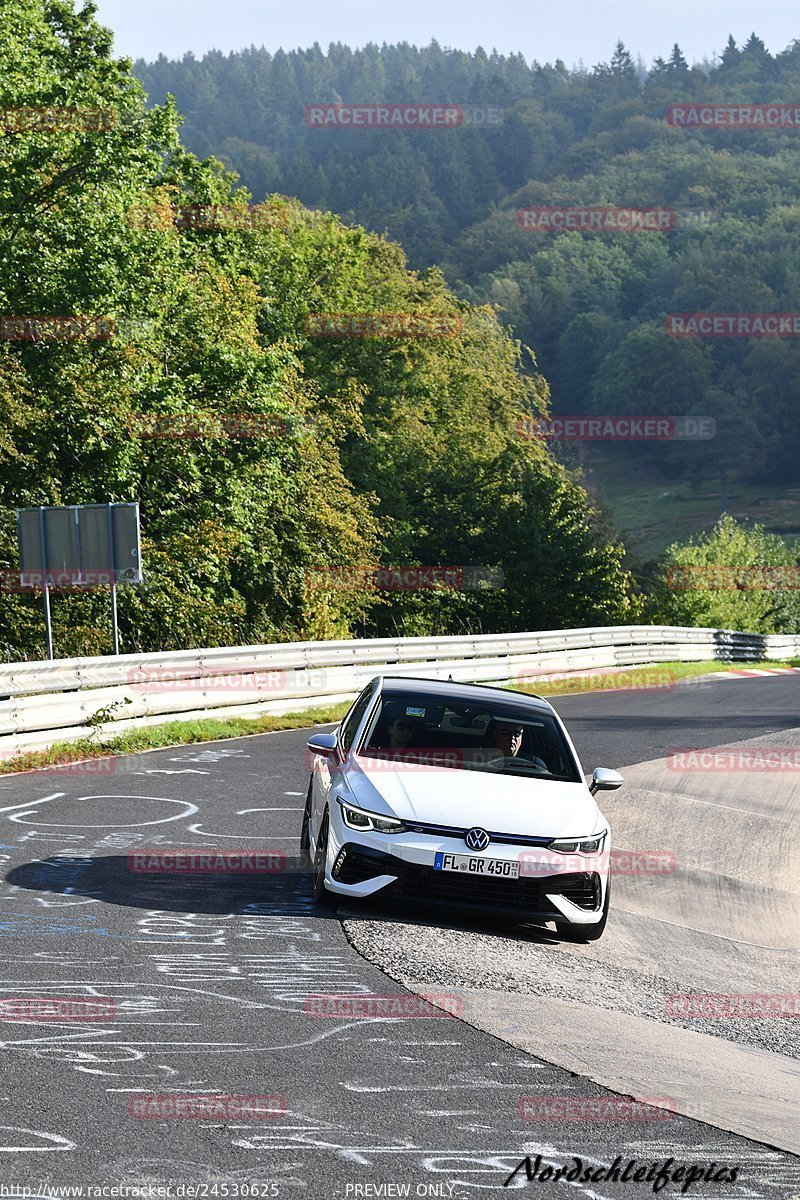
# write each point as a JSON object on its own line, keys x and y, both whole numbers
{"x": 353, "y": 719}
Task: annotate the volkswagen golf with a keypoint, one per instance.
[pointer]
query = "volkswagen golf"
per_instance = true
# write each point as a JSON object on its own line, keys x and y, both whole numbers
{"x": 461, "y": 795}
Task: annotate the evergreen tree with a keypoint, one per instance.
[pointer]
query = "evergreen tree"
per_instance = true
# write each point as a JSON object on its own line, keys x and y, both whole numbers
{"x": 561, "y": 138}
{"x": 730, "y": 55}
{"x": 677, "y": 63}
{"x": 622, "y": 65}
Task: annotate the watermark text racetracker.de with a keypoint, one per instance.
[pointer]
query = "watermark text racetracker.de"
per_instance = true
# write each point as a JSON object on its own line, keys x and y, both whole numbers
{"x": 545, "y": 862}
{"x": 595, "y": 218}
{"x": 210, "y": 218}
{"x": 211, "y": 1107}
{"x": 170, "y": 679}
{"x": 55, "y": 327}
{"x": 719, "y": 577}
{"x": 381, "y": 115}
{"x": 56, "y": 581}
{"x": 56, "y": 118}
{"x": 733, "y": 325}
{"x": 401, "y": 1006}
{"x": 195, "y": 426}
{"x": 734, "y": 758}
{"x": 595, "y": 1108}
{"x": 733, "y": 116}
{"x": 382, "y": 325}
{"x": 57, "y": 1008}
{"x": 615, "y": 680}
{"x": 617, "y": 428}
{"x": 405, "y": 578}
{"x": 207, "y": 861}
{"x": 257, "y": 1190}
{"x": 732, "y": 1006}
{"x": 101, "y": 765}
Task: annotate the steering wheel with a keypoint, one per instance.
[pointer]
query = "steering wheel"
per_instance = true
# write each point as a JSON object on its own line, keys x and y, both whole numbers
{"x": 511, "y": 760}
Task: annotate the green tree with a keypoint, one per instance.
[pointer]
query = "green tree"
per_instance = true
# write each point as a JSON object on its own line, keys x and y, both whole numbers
{"x": 651, "y": 373}
{"x": 392, "y": 450}
{"x": 86, "y": 229}
{"x": 731, "y": 578}
{"x": 677, "y": 63}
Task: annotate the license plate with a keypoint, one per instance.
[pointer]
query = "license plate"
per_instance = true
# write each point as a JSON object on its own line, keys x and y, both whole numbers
{"x": 470, "y": 864}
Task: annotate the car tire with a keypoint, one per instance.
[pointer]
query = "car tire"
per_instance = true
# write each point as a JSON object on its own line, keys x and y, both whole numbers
{"x": 587, "y": 933}
{"x": 305, "y": 837}
{"x": 318, "y": 889}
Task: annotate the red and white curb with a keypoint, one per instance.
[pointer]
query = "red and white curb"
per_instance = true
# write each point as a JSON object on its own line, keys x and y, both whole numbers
{"x": 753, "y": 672}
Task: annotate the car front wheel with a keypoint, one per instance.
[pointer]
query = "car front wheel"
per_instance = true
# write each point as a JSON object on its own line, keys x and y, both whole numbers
{"x": 318, "y": 889}
{"x": 305, "y": 840}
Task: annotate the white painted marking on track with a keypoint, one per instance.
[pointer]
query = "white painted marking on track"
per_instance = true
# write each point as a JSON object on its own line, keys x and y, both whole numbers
{"x": 715, "y": 804}
{"x": 449, "y": 1112}
{"x": 407, "y": 1087}
{"x": 27, "y": 804}
{"x": 237, "y": 836}
{"x": 61, "y": 1142}
{"x": 188, "y": 811}
{"x": 51, "y": 837}
{"x": 173, "y": 771}
{"x": 210, "y": 756}
{"x": 394, "y": 1043}
{"x": 242, "y": 811}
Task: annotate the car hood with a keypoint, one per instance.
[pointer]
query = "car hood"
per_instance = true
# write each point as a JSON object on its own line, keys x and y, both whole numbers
{"x": 497, "y": 803}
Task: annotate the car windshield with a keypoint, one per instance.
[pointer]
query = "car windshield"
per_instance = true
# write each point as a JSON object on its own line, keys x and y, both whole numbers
{"x": 480, "y": 735}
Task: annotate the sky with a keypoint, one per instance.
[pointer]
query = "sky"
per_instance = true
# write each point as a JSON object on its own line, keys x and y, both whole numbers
{"x": 572, "y": 30}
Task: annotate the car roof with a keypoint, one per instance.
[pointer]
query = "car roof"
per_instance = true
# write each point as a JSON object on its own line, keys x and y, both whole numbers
{"x": 451, "y": 690}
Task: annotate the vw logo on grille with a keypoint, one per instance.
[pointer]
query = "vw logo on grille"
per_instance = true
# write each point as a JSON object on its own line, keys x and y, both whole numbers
{"x": 476, "y": 839}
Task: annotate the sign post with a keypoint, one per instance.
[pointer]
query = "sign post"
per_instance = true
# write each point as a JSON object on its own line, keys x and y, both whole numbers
{"x": 48, "y": 622}
{"x": 79, "y": 545}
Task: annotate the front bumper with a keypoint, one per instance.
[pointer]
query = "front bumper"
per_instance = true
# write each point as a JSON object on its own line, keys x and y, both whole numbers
{"x": 404, "y": 872}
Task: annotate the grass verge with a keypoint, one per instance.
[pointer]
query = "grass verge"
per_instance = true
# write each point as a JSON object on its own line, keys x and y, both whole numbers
{"x": 172, "y": 733}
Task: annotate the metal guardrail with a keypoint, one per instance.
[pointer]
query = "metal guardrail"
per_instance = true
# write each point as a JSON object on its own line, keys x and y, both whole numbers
{"x": 46, "y": 702}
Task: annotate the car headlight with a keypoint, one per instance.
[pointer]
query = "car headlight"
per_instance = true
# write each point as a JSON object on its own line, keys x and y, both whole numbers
{"x": 593, "y": 845}
{"x": 369, "y": 822}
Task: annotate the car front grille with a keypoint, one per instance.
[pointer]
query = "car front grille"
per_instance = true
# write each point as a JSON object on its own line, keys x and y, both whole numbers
{"x": 425, "y": 885}
{"x": 357, "y": 864}
{"x": 459, "y": 831}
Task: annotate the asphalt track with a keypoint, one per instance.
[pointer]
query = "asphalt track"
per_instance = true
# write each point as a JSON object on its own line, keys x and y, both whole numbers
{"x": 210, "y": 974}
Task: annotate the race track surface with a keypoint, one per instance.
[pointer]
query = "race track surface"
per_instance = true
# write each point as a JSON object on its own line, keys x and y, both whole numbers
{"x": 205, "y": 981}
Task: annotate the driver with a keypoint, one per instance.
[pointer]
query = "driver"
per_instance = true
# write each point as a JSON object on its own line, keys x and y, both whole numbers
{"x": 506, "y": 739}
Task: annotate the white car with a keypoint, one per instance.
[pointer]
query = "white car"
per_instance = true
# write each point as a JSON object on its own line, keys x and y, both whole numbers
{"x": 461, "y": 795}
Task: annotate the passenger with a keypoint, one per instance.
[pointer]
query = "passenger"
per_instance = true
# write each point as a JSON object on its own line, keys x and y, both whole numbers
{"x": 401, "y": 732}
{"x": 396, "y": 730}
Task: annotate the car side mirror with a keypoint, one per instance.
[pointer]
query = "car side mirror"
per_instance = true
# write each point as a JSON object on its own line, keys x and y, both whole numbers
{"x": 324, "y": 744}
{"x": 604, "y": 780}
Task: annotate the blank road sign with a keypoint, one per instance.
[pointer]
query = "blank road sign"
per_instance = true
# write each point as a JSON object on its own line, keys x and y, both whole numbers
{"x": 77, "y": 543}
